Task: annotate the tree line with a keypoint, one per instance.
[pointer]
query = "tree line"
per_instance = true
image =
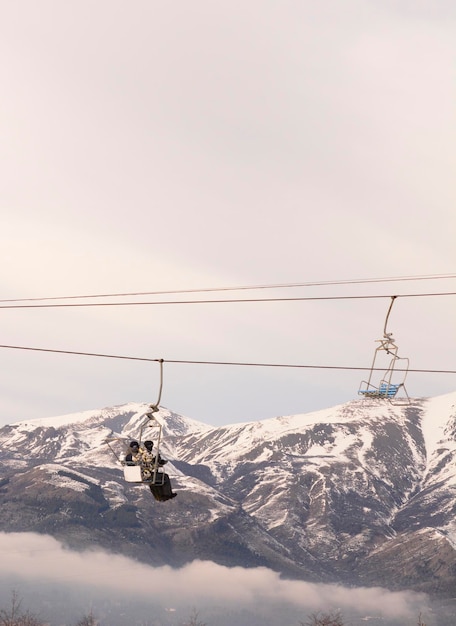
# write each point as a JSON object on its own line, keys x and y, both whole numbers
{"x": 16, "y": 616}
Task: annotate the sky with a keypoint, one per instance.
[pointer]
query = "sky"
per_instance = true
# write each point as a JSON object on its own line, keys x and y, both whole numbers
{"x": 149, "y": 146}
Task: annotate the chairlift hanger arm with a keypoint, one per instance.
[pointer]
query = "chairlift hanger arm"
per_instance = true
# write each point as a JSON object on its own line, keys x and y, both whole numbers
{"x": 385, "y": 334}
{"x": 155, "y": 407}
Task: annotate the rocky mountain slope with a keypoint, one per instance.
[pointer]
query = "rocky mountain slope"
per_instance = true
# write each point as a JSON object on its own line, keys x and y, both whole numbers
{"x": 363, "y": 493}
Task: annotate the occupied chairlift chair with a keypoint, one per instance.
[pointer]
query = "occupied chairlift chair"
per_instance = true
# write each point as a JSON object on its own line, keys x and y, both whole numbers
{"x": 155, "y": 476}
{"x": 393, "y": 378}
{"x": 135, "y": 473}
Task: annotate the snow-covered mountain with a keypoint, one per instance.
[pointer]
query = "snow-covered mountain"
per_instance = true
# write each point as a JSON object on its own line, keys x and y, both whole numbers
{"x": 362, "y": 493}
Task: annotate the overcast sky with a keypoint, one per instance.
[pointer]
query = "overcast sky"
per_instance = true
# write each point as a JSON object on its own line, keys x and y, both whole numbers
{"x": 151, "y": 146}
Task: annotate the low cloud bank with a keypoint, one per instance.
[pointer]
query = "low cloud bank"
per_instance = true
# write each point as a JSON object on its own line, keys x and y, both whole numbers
{"x": 40, "y": 557}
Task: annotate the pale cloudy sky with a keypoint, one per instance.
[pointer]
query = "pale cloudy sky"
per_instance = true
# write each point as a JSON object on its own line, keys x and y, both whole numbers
{"x": 152, "y": 146}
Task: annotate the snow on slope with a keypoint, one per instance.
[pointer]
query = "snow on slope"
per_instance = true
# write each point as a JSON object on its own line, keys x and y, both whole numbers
{"x": 436, "y": 415}
{"x": 435, "y": 418}
{"x": 229, "y": 443}
{"x": 439, "y": 431}
{"x": 437, "y": 411}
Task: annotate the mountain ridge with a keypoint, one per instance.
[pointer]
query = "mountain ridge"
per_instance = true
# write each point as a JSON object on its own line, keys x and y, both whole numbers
{"x": 335, "y": 495}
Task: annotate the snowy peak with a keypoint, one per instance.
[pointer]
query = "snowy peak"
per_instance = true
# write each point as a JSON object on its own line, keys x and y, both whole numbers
{"x": 63, "y": 435}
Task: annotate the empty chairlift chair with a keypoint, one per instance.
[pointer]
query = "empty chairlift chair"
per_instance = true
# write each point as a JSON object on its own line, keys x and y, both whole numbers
{"x": 388, "y": 371}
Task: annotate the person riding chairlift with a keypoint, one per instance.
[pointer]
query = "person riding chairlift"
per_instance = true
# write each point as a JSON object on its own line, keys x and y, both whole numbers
{"x": 148, "y": 455}
{"x": 133, "y": 457}
{"x": 145, "y": 457}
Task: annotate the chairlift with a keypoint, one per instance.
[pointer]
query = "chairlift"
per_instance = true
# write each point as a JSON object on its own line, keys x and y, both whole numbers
{"x": 152, "y": 475}
{"x": 393, "y": 377}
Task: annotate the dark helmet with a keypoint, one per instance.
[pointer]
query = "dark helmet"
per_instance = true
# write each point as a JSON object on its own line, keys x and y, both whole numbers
{"x": 149, "y": 444}
{"x": 134, "y": 444}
